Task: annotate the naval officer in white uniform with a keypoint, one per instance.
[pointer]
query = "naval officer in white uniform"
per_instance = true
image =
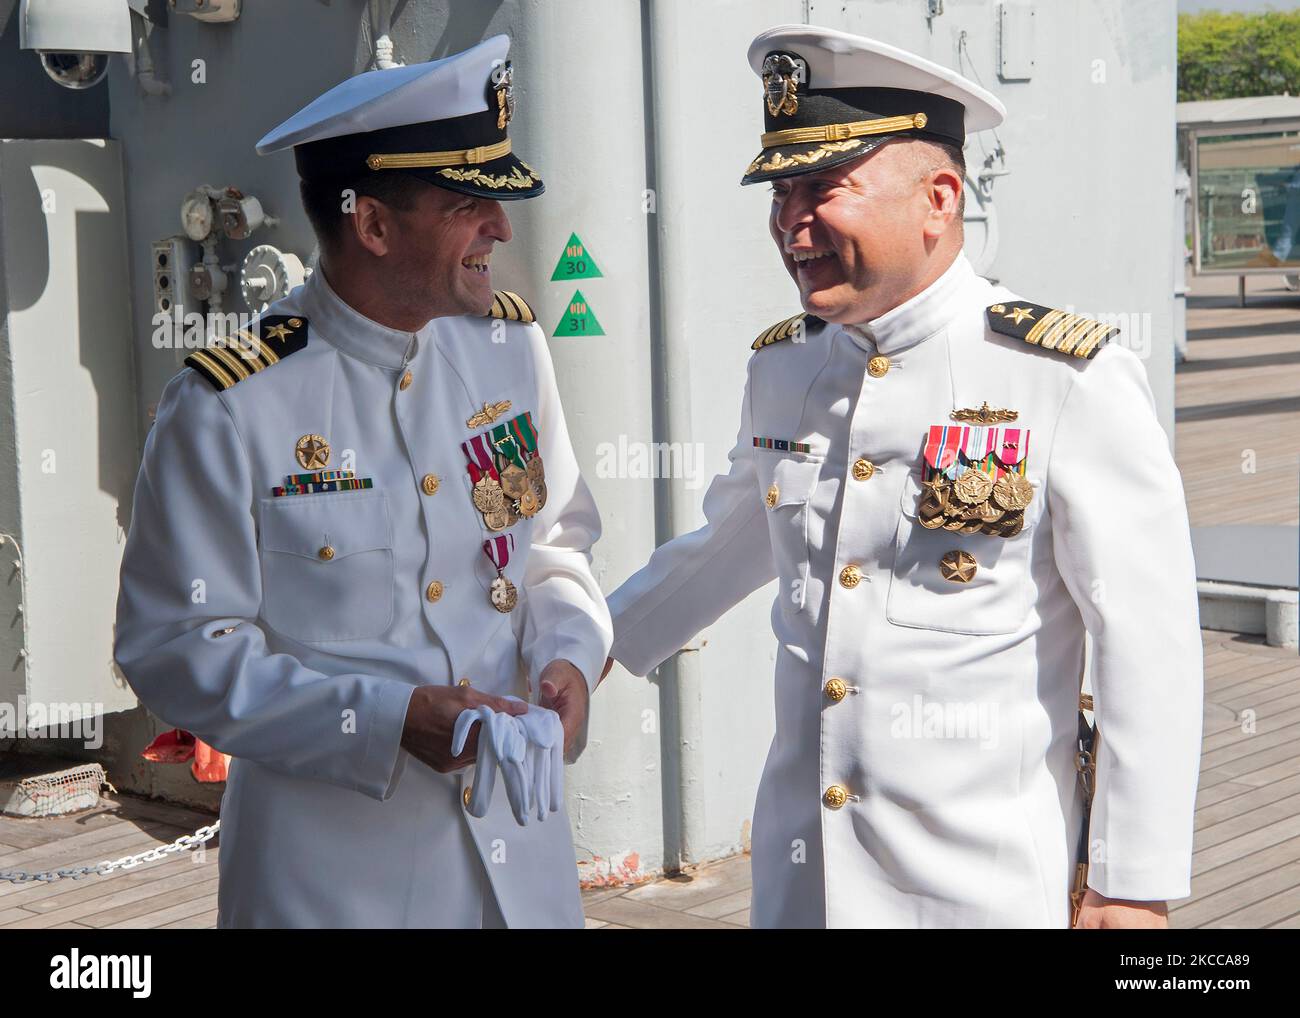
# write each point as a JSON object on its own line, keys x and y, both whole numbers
{"x": 952, "y": 485}
{"x": 362, "y": 516}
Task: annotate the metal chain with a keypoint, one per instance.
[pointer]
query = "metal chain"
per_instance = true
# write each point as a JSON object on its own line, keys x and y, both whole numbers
{"x": 182, "y": 844}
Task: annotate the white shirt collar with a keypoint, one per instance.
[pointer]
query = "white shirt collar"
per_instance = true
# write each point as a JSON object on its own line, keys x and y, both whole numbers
{"x": 919, "y": 317}
{"x": 340, "y": 324}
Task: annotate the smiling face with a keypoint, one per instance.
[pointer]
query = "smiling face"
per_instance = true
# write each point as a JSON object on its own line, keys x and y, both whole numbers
{"x": 863, "y": 237}
{"x": 442, "y": 247}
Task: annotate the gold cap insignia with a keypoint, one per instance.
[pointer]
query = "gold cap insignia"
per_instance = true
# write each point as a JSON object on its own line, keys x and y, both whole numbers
{"x": 504, "y": 84}
{"x": 781, "y": 76}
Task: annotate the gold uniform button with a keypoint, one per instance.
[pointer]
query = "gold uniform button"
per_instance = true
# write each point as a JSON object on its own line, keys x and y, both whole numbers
{"x": 850, "y": 576}
{"x": 463, "y": 682}
{"x": 863, "y": 469}
{"x": 464, "y": 796}
{"x": 434, "y": 590}
{"x": 878, "y": 365}
{"x": 430, "y": 484}
{"x": 326, "y": 553}
{"x": 836, "y": 796}
{"x": 958, "y": 566}
{"x": 406, "y": 381}
{"x": 836, "y": 689}
{"x": 773, "y": 493}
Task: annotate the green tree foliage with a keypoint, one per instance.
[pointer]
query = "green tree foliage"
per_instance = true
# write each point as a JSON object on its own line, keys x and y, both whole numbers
{"x": 1230, "y": 56}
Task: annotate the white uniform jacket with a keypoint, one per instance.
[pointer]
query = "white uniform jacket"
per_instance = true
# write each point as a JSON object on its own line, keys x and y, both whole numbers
{"x": 922, "y": 771}
{"x": 235, "y": 623}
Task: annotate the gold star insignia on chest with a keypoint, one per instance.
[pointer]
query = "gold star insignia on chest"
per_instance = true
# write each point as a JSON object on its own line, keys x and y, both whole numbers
{"x": 312, "y": 451}
{"x": 1050, "y": 328}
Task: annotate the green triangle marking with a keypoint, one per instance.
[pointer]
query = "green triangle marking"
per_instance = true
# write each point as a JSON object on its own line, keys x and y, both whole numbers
{"x": 575, "y": 262}
{"x": 578, "y": 319}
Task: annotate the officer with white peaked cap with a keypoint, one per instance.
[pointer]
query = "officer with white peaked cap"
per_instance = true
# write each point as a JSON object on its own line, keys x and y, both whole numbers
{"x": 360, "y": 517}
{"x": 952, "y": 486}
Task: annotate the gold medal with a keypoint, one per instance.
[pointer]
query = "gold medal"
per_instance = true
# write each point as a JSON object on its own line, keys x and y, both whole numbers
{"x": 497, "y": 519}
{"x": 973, "y": 487}
{"x": 528, "y": 504}
{"x": 487, "y": 495}
{"x": 514, "y": 481}
{"x": 537, "y": 476}
{"x": 1009, "y": 526}
{"x": 1013, "y": 492}
{"x": 503, "y": 595}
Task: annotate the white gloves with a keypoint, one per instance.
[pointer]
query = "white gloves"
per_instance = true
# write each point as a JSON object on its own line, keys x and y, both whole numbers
{"x": 501, "y": 741}
{"x": 530, "y": 752}
{"x": 545, "y": 734}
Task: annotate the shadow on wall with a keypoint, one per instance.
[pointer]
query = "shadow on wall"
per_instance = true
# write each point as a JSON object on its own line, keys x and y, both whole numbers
{"x": 75, "y": 186}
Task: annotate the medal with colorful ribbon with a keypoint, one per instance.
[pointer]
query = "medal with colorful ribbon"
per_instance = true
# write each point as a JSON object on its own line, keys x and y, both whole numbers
{"x": 489, "y": 498}
{"x": 502, "y": 592}
{"x": 522, "y": 473}
{"x": 974, "y": 479}
{"x": 523, "y": 429}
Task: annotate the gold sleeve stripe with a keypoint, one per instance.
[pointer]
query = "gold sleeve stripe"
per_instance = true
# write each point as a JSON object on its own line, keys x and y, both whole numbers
{"x": 1052, "y": 337}
{"x": 512, "y": 307}
{"x": 212, "y": 368}
{"x": 233, "y": 362}
{"x": 1043, "y": 324}
{"x": 1093, "y": 342}
{"x": 781, "y": 330}
{"x": 1081, "y": 328}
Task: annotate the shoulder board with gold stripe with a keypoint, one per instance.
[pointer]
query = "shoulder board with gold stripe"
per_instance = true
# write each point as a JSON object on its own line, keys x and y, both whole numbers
{"x": 511, "y": 307}
{"x": 1051, "y": 328}
{"x": 784, "y": 330}
{"x": 269, "y": 340}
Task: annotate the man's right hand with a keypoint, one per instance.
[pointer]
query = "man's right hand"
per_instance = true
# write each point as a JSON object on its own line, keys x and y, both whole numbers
{"x": 431, "y": 715}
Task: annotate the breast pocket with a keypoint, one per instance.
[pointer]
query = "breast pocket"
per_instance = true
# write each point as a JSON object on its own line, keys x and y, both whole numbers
{"x": 327, "y": 566}
{"x": 977, "y": 584}
{"x": 787, "y": 484}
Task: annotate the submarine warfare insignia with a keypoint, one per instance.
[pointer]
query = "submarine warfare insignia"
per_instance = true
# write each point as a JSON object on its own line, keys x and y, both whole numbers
{"x": 984, "y": 414}
{"x": 974, "y": 480}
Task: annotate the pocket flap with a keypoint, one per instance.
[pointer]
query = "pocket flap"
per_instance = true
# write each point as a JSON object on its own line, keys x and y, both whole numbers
{"x": 792, "y": 478}
{"x": 349, "y": 522}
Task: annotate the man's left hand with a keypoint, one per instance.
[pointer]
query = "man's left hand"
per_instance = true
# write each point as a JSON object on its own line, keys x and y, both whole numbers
{"x": 564, "y": 690}
{"x": 1098, "y": 913}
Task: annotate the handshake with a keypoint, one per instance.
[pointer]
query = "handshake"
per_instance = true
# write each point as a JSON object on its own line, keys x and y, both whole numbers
{"x": 528, "y": 748}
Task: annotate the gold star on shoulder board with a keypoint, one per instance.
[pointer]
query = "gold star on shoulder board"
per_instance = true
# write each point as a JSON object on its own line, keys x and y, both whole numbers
{"x": 278, "y": 332}
{"x": 1018, "y": 315}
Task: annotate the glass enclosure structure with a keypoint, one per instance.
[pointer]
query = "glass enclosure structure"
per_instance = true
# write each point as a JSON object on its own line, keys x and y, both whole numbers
{"x": 1247, "y": 192}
